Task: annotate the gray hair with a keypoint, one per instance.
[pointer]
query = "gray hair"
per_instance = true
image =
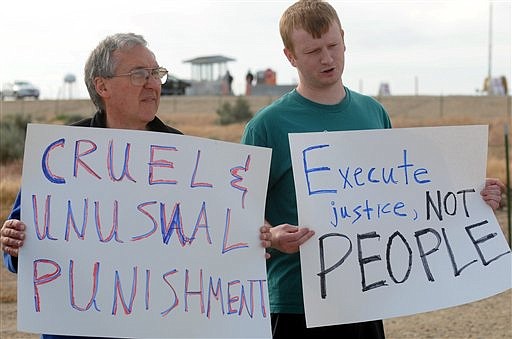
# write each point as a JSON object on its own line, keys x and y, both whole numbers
{"x": 101, "y": 62}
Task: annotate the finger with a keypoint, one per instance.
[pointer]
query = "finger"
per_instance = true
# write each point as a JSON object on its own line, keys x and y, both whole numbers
{"x": 296, "y": 242}
{"x": 266, "y": 243}
{"x": 265, "y": 237}
{"x": 305, "y": 232}
{"x": 494, "y": 205}
{"x": 13, "y": 234}
{"x": 18, "y": 225}
{"x": 265, "y": 234}
{"x": 264, "y": 229}
{"x": 12, "y": 242}
{"x": 496, "y": 182}
{"x": 10, "y": 250}
{"x": 493, "y": 202}
{"x": 493, "y": 191}
{"x": 491, "y": 196}
{"x": 13, "y": 224}
{"x": 301, "y": 231}
{"x": 494, "y": 188}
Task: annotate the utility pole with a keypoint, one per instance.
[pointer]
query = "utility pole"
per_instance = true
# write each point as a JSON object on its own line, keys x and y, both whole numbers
{"x": 489, "y": 70}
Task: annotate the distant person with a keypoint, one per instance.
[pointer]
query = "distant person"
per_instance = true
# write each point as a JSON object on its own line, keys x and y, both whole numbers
{"x": 124, "y": 80}
{"x": 384, "y": 90}
{"x": 228, "y": 81}
{"x": 249, "y": 78}
{"x": 314, "y": 44}
{"x": 270, "y": 77}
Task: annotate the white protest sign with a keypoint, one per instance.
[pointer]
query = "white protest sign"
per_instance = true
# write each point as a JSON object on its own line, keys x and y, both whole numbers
{"x": 400, "y": 226}
{"x": 143, "y": 235}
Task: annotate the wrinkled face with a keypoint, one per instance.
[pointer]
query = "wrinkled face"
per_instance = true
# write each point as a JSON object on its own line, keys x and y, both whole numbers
{"x": 319, "y": 62}
{"x": 129, "y": 106}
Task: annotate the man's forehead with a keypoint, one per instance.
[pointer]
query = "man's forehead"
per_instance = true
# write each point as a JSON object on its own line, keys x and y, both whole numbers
{"x": 135, "y": 57}
{"x": 300, "y": 34}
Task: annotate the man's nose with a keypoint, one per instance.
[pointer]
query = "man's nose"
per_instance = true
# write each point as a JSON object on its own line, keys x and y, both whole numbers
{"x": 325, "y": 56}
{"x": 153, "y": 83}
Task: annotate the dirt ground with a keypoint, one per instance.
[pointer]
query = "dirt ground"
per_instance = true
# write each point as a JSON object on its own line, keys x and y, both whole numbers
{"x": 490, "y": 318}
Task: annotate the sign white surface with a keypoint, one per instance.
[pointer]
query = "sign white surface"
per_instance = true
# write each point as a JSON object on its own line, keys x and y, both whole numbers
{"x": 142, "y": 234}
{"x": 400, "y": 226}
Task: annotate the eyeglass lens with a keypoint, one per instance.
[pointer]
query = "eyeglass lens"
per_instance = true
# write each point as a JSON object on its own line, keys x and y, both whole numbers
{"x": 140, "y": 76}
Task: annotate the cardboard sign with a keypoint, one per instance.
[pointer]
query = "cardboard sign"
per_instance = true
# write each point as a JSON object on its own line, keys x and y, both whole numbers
{"x": 400, "y": 226}
{"x": 142, "y": 235}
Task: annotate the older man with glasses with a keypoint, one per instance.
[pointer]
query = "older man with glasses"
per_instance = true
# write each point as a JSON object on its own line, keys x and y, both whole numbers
{"x": 124, "y": 82}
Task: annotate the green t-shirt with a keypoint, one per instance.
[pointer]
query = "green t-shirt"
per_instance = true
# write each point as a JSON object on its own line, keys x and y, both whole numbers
{"x": 292, "y": 113}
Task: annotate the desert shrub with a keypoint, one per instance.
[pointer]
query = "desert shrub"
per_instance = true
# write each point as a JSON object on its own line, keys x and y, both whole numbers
{"x": 13, "y": 129}
{"x": 68, "y": 119}
{"x": 239, "y": 112}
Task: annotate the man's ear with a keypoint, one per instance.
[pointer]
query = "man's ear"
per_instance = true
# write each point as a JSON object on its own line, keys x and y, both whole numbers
{"x": 290, "y": 57}
{"x": 101, "y": 87}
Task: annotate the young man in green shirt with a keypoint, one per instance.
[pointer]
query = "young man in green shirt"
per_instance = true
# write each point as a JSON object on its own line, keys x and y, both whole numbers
{"x": 314, "y": 44}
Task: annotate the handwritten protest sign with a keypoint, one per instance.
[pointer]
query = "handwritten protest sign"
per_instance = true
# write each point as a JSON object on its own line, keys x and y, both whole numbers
{"x": 142, "y": 234}
{"x": 400, "y": 226}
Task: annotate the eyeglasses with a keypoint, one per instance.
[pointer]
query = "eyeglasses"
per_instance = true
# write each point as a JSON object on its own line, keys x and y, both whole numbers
{"x": 140, "y": 76}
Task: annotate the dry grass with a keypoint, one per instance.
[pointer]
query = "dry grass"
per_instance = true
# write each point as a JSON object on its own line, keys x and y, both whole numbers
{"x": 205, "y": 125}
{"x": 10, "y": 179}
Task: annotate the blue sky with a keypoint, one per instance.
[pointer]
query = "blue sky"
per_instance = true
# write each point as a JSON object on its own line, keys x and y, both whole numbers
{"x": 442, "y": 46}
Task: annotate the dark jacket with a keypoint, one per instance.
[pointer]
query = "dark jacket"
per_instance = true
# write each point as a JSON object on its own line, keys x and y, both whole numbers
{"x": 100, "y": 120}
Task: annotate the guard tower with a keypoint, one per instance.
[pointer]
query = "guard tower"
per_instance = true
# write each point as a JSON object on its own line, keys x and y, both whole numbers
{"x": 208, "y": 74}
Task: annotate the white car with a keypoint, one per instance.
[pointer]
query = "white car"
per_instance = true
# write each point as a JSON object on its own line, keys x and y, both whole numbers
{"x": 20, "y": 90}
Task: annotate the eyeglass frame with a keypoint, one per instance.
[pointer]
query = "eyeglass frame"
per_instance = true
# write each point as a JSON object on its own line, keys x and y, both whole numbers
{"x": 157, "y": 73}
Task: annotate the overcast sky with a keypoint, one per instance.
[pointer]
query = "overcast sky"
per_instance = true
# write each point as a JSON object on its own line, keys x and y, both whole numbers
{"x": 443, "y": 45}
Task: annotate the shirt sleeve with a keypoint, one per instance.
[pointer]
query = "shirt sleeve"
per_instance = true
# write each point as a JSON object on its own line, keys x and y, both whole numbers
{"x": 250, "y": 136}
